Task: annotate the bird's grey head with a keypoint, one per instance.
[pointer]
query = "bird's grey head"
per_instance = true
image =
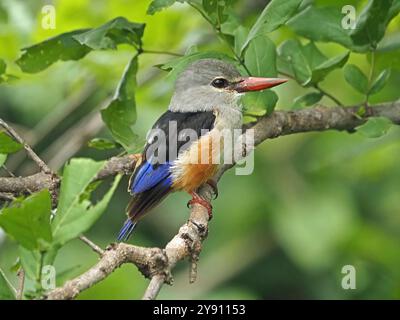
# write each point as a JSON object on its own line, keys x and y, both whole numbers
{"x": 211, "y": 84}
{"x": 206, "y": 85}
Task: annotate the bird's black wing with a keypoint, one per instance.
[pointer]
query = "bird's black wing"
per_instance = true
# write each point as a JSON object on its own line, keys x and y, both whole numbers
{"x": 196, "y": 121}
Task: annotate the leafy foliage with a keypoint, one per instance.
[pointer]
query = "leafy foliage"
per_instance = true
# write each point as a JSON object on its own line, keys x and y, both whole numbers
{"x": 120, "y": 114}
{"x": 6, "y": 293}
{"x": 260, "y": 47}
{"x": 76, "y": 44}
{"x": 356, "y": 78}
{"x": 308, "y": 22}
{"x": 176, "y": 66}
{"x": 4, "y": 76}
{"x": 111, "y": 34}
{"x": 158, "y": 5}
{"x": 308, "y": 99}
{"x": 260, "y": 59}
{"x": 102, "y": 144}
{"x": 372, "y": 23}
{"x": 275, "y": 14}
{"x": 8, "y": 144}
{"x": 307, "y": 63}
{"x": 379, "y": 82}
{"x": 3, "y": 158}
{"x": 60, "y": 48}
{"x": 375, "y": 127}
{"x": 75, "y": 212}
{"x": 28, "y": 221}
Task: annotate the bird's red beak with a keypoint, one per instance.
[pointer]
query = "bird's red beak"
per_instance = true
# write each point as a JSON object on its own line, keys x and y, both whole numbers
{"x": 257, "y": 84}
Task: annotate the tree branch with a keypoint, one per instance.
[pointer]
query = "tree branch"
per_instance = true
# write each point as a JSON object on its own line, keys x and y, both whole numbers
{"x": 156, "y": 263}
{"x": 279, "y": 123}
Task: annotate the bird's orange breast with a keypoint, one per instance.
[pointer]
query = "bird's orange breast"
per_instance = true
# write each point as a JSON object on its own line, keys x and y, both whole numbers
{"x": 197, "y": 164}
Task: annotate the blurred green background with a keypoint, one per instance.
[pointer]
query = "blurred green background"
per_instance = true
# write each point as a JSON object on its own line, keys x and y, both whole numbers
{"x": 314, "y": 203}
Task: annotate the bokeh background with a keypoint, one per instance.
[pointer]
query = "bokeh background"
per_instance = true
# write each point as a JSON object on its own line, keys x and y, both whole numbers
{"x": 314, "y": 203}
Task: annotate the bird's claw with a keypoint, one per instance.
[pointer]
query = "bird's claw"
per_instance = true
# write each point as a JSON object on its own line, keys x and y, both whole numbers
{"x": 213, "y": 184}
{"x": 204, "y": 203}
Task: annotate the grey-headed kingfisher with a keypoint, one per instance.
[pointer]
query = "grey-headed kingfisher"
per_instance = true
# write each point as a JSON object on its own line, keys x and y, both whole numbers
{"x": 206, "y": 100}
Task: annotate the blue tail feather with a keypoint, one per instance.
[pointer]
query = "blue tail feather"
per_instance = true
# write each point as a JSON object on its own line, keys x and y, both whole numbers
{"x": 126, "y": 230}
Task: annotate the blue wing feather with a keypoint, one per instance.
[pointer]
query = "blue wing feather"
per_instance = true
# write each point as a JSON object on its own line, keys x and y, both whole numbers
{"x": 149, "y": 176}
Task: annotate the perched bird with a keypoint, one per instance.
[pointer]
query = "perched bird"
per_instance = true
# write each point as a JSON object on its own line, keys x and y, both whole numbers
{"x": 206, "y": 100}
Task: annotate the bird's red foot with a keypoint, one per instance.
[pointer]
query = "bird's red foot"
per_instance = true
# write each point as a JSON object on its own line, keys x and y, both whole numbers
{"x": 213, "y": 184}
{"x": 203, "y": 202}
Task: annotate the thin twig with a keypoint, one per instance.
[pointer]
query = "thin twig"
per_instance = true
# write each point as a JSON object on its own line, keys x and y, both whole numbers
{"x": 370, "y": 76}
{"x": 162, "y": 52}
{"x": 317, "y": 87}
{"x": 330, "y": 96}
{"x": 8, "y": 171}
{"x": 43, "y": 166}
{"x": 21, "y": 284}
{"x": 92, "y": 245}
{"x": 201, "y": 12}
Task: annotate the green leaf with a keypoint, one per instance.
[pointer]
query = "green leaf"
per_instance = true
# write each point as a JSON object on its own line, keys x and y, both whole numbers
{"x": 8, "y": 144}
{"x": 42, "y": 55}
{"x": 240, "y": 36}
{"x": 306, "y": 100}
{"x": 394, "y": 9}
{"x": 321, "y": 24}
{"x": 120, "y": 114}
{"x": 3, "y": 158}
{"x": 29, "y": 261}
{"x": 322, "y": 70}
{"x": 230, "y": 26}
{"x": 290, "y": 52}
{"x": 77, "y": 44}
{"x": 176, "y": 66}
{"x": 379, "y": 82}
{"x": 102, "y": 144}
{"x": 260, "y": 59}
{"x": 158, "y": 5}
{"x": 375, "y": 127}
{"x": 28, "y": 221}
{"x": 388, "y": 53}
{"x": 75, "y": 213}
{"x": 3, "y": 66}
{"x": 32, "y": 259}
{"x": 216, "y": 10}
{"x": 356, "y": 78}
{"x": 371, "y": 23}
{"x": 275, "y": 14}
{"x": 260, "y": 101}
{"x": 111, "y": 34}
{"x": 307, "y": 63}
{"x": 6, "y": 291}
{"x": 313, "y": 55}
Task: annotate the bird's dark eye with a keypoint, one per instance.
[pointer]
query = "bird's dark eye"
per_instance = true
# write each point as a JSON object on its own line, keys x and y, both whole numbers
{"x": 220, "y": 83}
